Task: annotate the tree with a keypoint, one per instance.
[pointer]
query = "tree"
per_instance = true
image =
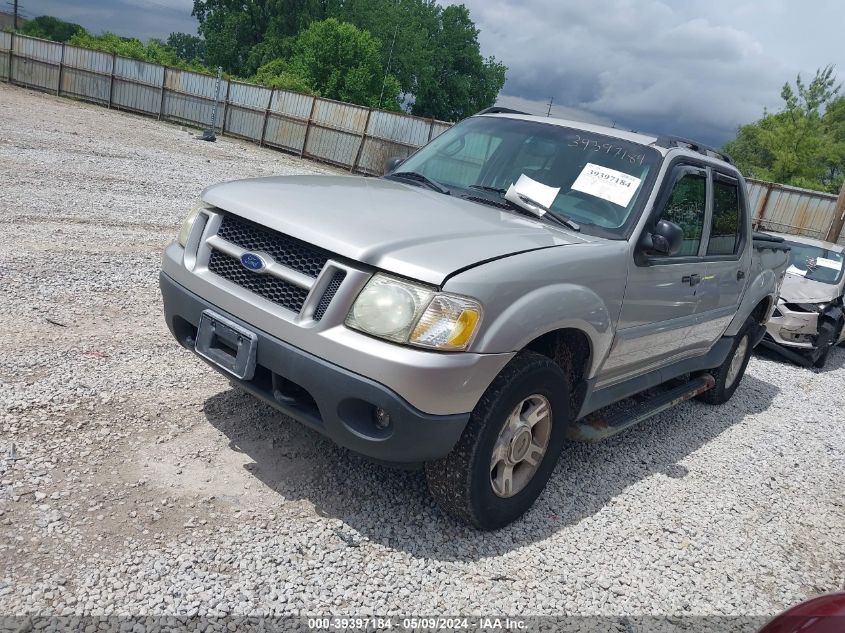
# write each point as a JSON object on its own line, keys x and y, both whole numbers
{"x": 154, "y": 51}
{"x": 340, "y": 61}
{"x": 188, "y": 47}
{"x": 50, "y": 28}
{"x": 433, "y": 51}
{"x": 459, "y": 82}
{"x": 277, "y": 74}
{"x": 804, "y": 143}
{"x": 233, "y": 28}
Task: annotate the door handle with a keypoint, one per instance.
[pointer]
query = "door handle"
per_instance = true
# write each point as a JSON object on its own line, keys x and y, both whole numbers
{"x": 740, "y": 274}
{"x": 692, "y": 280}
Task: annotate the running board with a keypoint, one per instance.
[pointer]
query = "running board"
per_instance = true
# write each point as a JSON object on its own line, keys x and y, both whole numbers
{"x": 596, "y": 427}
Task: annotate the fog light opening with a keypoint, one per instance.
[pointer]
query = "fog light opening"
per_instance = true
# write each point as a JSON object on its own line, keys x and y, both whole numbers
{"x": 381, "y": 418}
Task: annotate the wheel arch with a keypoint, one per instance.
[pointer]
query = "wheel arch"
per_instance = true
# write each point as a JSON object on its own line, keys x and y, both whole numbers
{"x": 572, "y": 350}
{"x": 762, "y": 310}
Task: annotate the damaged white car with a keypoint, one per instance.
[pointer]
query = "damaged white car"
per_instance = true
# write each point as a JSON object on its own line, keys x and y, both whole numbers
{"x": 808, "y": 320}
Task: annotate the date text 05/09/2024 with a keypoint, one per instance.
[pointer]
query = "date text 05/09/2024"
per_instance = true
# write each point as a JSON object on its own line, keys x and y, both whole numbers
{"x": 417, "y": 624}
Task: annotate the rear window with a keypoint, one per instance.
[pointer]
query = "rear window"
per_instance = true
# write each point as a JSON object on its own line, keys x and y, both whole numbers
{"x": 726, "y": 222}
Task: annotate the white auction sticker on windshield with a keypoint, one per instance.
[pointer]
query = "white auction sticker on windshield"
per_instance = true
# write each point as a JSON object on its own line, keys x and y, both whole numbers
{"x": 829, "y": 263}
{"x": 608, "y": 184}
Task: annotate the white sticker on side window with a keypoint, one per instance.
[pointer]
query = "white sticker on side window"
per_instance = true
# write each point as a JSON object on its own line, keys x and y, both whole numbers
{"x": 608, "y": 184}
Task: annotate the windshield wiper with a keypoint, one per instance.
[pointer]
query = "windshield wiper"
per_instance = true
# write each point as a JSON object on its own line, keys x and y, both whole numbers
{"x": 558, "y": 219}
{"x": 418, "y": 177}
{"x": 486, "y": 188}
{"x": 548, "y": 213}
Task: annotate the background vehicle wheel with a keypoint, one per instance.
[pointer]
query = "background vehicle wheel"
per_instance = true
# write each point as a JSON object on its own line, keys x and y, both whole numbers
{"x": 730, "y": 373}
{"x": 835, "y": 330}
{"x": 509, "y": 447}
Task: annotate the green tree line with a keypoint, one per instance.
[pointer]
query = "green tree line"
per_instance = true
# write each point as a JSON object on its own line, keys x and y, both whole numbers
{"x": 803, "y": 143}
{"x": 394, "y": 54}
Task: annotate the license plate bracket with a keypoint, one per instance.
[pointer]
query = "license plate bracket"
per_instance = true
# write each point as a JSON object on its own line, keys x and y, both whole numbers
{"x": 227, "y": 345}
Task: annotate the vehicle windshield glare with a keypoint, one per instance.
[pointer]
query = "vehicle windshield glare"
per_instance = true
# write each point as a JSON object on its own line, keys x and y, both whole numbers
{"x": 816, "y": 263}
{"x": 601, "y": 178}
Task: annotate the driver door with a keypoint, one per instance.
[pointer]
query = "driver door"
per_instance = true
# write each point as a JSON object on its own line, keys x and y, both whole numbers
{"x": 661, "y": 298}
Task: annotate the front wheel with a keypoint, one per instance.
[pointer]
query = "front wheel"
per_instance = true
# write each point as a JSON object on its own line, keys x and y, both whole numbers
{"x": 509, "y": 448}
{"x": 729, "y": 374}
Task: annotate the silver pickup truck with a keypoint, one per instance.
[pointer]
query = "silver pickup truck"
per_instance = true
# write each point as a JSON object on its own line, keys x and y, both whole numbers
{"x": 487, "y": 299}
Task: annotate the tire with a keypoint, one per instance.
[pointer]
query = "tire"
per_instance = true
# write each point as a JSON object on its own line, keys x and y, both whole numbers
{"x": 728, "y": 375}
{"x": 465, "y": 482}
{"x": 821, "y": 360}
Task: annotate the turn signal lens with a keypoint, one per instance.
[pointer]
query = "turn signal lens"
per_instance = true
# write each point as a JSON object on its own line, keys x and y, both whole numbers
{"x": 448, "y": 323}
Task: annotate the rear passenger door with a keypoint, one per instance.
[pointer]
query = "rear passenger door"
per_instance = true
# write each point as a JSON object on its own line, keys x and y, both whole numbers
{"x": 726, "y": 257}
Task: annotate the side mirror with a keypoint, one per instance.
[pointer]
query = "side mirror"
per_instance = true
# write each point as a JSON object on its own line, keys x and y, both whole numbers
{"x": 391, "y": 164}
{"x": 665, "y": 239}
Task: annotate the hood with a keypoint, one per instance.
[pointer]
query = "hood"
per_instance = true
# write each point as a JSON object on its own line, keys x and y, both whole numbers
{"x": 798, "y": 289}
{"x": 404, "y": 229}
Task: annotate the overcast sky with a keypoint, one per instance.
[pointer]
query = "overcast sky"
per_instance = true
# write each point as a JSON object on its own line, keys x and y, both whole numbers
{"x": 692, "y": 69}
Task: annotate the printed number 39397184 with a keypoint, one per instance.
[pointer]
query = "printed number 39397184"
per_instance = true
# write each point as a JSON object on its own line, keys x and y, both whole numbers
{"x": 587, "y": 144}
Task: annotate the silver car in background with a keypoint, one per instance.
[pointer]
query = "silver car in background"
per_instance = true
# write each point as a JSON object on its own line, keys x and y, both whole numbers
{"x": 808, "y": 319}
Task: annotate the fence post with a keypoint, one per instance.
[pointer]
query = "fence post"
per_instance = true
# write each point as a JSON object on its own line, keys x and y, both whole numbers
{"x": 225, "y": 107}
{"x": 266, "y": 116}
{"x": 430, "y": 129}
{"x": 838, "y": 220}
{"x": 361, "y": 146}
{"x": 161, "y": 94}
{"x": 12, "y": 58}
{"x": 111, "y": 81}
{"x": 765, "y": 203}
{"x": 61, "y": 67}
{"x": 308, "y": 126}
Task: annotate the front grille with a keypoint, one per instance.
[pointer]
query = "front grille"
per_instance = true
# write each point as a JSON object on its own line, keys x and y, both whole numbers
{"x": 284, "y": 249}
{"x": 272, "y": 288}
{"x": 328, "y": 295}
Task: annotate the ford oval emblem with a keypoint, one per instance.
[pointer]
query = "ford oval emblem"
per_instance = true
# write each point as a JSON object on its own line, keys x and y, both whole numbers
{"x": 253, "y": 262}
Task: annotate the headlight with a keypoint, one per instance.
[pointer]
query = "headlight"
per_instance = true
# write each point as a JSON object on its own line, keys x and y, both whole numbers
{"x": 405, "y": 312}
{"x": 188, "y": 224}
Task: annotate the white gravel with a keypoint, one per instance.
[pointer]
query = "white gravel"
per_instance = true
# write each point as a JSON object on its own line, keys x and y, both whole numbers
{"x": 133, "y": 480}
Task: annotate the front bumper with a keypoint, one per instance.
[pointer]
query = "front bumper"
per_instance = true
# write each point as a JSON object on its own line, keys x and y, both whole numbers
{"x": 432, "y": 382}
{"x": 793, "y": 329}
{"x": 325, "y": 397}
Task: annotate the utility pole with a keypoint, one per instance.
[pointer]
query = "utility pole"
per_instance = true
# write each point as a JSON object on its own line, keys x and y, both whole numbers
{"x": 549, "y": 112}
{"x": 838, "y": 217}
{"x": 16, "y": 15}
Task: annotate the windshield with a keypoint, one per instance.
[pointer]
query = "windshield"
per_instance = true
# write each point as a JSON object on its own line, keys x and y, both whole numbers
{"x": 815, "y": 262}
{"x": 601, "y": 178}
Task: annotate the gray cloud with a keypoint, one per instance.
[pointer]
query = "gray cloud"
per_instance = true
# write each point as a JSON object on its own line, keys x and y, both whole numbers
{"x": 653, "y": 65}
{"x": 690, "y": 69}
{"x": 131, "y": 18}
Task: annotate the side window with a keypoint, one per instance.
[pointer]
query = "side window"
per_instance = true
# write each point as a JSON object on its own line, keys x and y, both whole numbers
{"x": 685, "y": 208}
{"x": 725, "y": 227}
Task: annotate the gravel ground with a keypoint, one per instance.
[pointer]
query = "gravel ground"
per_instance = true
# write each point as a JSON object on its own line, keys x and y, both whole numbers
{"x": 133, "y": 480}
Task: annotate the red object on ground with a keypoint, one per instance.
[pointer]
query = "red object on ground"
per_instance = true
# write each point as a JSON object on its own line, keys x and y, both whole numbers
{"x": 822, "y": 614}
